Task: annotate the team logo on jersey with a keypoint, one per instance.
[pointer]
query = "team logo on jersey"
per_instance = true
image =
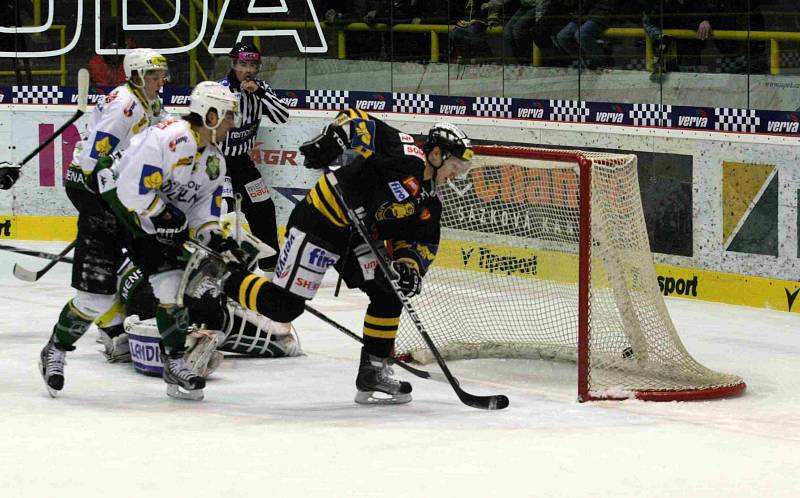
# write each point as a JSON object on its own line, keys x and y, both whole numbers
{"x": 216, "y": 202}
{"x": 104, "y": 144}
{"x": 152, "y": 178}
{"x": 412, "y": 185}
{"x": 399, "y": 192}
{"x": 394, "y": 211}
{"x": 173, "y": 145}
{"x": 212, "y": 167}
{"x": 362, "y": 137}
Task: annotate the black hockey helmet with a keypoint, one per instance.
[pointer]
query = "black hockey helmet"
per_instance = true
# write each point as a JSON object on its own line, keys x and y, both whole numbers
{"x": 245, "y": 51}
{"x": 451, "y": 140}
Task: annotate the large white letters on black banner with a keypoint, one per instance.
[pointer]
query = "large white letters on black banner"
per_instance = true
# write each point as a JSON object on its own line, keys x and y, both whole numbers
{"x": 274, "y": 13}
{"x": 282, "y": 9}
{"x": 45, "y": 27}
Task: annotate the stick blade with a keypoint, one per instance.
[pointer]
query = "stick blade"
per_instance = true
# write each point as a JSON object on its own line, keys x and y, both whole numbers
{"x": 25, "y": 274}
{"x": 83, "y": 89}
{"x": 496, "y": 402}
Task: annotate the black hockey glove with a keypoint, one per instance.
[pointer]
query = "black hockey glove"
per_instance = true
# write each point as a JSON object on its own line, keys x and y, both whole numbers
{"x": 408, "y": 278}
{"x": 321, "y": 150}
{"x": 226, "y": 247}
{"x": 8, "y": 176}
{"x": 170, "y": 226}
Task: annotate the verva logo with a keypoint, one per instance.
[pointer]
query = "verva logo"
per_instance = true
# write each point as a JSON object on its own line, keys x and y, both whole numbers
{"x": 609, "y": 117}
{"x": 692, "y": 121}
{"x": 530, "y": 113}
{"x": 179, "y": 100}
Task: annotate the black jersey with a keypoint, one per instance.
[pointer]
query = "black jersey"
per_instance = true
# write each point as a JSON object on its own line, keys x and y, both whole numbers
{"x": 386, "y": 182}
{"x": 252, "y": 106}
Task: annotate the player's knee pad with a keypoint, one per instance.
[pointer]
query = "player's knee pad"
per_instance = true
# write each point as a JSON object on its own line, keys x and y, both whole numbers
{"x": 165, "y": 286}
{"x": 302, "y": 263}
{"x": 92, "y": 305}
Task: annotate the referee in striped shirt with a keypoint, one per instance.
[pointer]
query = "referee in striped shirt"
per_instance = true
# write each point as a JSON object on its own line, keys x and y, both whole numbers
{"x": 256, "y": 100}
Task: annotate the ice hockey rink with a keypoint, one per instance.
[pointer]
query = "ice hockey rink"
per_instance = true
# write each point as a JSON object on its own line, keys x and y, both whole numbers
{"x": 289, "y": 427}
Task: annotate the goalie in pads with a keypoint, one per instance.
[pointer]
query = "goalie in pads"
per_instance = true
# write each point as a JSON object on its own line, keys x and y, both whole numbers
{"x": 392, "y": 184}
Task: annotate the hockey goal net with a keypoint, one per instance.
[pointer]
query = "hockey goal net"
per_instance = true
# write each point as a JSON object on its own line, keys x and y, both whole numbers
{"x": 545, "y": 255}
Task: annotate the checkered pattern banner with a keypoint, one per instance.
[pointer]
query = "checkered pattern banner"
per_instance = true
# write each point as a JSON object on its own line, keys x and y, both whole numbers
{"x": 328, "y": 100}
{"x": 651, "y": 115}
{"x": 37, "y": 94}
{"x": 572, "y": 111}
{"x": 744, "y": 120}
{"x": 412, "y": 103}
{"x": 496, "y": 107}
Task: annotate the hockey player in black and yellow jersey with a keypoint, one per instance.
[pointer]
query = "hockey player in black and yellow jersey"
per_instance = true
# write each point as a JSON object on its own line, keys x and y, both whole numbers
{"x": 391, "y": 184}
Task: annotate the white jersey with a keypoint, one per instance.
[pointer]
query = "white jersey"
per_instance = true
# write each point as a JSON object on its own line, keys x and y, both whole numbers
{"x": 164, "y": 166}
{"x": 116, "y": 119}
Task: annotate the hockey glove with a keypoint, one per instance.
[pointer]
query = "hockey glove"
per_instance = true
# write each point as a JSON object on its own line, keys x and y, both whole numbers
{"x": 408, "y": 278}
{"x": 227, "y": 247}
{"x": 8, "y": 176}
{"x": 321, "y": 150}
{"x": 170, "y": 226}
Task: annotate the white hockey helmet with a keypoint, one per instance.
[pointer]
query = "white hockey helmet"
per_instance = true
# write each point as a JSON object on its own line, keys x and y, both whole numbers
{"x": 209, "y": 95}
{"x": 142, "y": 60}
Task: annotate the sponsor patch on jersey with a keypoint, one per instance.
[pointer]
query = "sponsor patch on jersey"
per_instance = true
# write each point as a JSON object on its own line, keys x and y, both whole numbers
{"x": 151, "y": 179}
{"x": 412, "y": 185}
{"x": 141, "y": 124}
{"x": 184, "y": 161}
{"x": 216, "y": 202}
{"x": 425, "y": 215}
{"x": 227, "y": 188}
{"x": 128, "y": 111}
{"x": 413, "y": 150}
{"x": 104, "y": 144}
{"x": 406, "y": 138}
{"x": 399, "y": 192}
{"x": 173, "y": 145}
{"x": 257, "y": 190}
{"x": 212, "y": 167}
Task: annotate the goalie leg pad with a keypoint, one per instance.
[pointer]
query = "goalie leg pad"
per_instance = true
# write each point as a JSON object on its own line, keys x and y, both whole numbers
{"x": 202, "y": 356}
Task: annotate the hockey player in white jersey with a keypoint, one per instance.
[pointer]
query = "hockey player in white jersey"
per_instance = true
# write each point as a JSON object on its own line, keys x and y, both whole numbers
{"x": 169, "y": 188}
{"x": 124, "y": 113}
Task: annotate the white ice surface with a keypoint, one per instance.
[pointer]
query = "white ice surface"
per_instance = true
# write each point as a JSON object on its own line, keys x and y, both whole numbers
{"x": 289, "y": 427}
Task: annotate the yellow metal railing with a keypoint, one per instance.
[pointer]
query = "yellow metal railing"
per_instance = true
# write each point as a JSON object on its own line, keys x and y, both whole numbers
{"x": 775, "y": 38}
{"x": 62, "y": 59}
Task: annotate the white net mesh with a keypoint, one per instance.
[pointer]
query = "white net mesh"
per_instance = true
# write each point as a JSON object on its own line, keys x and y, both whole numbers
{"x": 505, "y": 281}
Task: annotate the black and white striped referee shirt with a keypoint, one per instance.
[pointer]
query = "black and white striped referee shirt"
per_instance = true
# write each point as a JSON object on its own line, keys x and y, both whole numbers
{"x": 253, "y": 106}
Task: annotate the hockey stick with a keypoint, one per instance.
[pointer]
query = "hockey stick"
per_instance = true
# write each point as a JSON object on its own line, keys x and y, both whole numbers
{"x": 341, "y": 328}
{"x": 83, "y": 100}
{"x": 35, "y": 254}
{"x": 495, "y": 402}
{"x": 32, "y": 276}
{"x": 9, "y": 174}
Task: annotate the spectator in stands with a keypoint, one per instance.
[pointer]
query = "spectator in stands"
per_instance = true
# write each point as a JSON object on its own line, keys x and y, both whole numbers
{"x": 517, "y": 32}
{"x": 581, "y": 36}
{"x": 106, "y": 69}
{"x": 468, "y": 39}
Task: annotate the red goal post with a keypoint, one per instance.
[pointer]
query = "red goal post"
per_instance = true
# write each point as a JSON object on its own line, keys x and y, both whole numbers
{"x": 545, "y": 255}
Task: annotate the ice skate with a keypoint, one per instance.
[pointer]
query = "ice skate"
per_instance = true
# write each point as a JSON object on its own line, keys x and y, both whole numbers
{"x": 116, "y": 349}
{"x": 51, "y": 365}
{"x": 202, "y": 356}
{"x": 181, "y": 382}
{"x": 375, "y": 383}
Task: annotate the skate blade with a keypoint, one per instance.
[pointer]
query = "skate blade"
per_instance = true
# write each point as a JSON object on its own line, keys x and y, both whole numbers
{"x": 177, "y": 392}
{"x": 52, "y": 392}
{"x": 379, "y": 398}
